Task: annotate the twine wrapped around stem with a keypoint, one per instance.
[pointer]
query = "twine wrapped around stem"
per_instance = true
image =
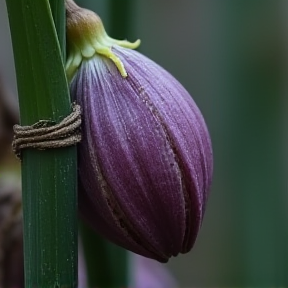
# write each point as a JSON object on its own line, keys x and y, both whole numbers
{"x": 42, "y": 135}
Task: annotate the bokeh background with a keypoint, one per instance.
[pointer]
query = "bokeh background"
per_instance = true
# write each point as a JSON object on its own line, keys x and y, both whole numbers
{"x": 232, "y": 57}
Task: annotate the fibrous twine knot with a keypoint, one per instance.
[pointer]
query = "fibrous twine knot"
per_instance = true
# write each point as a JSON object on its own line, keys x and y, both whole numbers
{"x": 44, "y": 135}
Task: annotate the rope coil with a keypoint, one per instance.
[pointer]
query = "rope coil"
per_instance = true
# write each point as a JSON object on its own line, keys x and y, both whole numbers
{"x": 42, "y": 135}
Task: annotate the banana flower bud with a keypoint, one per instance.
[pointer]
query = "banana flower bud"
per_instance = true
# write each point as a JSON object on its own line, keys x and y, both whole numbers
{"x": 145, "y": 161}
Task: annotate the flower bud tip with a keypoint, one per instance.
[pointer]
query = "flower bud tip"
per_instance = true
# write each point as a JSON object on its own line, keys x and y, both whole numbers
{"x": 86, "y": 37}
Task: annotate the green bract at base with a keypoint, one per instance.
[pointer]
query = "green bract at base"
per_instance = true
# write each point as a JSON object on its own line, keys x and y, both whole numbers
{"x": 86, "y": 36}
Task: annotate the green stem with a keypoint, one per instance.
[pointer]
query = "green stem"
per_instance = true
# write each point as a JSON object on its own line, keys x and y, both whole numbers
{"x": 106, "y": 263}
{"x": 58, "y": 13}
{"x": 48, "y": 177}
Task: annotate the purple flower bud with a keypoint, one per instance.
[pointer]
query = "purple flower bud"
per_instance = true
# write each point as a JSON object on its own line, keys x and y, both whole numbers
{"x": 145, "y": 161}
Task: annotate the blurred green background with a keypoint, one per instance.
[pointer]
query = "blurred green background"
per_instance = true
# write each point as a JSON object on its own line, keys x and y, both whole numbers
{"x": 232, "y": 56}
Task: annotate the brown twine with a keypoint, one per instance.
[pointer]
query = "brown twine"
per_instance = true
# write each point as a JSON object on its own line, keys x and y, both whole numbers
{"x": 41, "y": 136}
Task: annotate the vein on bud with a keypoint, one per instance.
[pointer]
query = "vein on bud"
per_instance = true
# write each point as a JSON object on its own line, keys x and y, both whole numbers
{"x": 86, "y": 36}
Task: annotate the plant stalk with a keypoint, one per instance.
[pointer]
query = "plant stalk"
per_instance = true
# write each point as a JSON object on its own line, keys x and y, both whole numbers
{"x": 49, "y": 177}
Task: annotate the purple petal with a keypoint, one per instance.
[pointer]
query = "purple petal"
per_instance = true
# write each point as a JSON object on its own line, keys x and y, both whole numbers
{"x": 145, "y": 162}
